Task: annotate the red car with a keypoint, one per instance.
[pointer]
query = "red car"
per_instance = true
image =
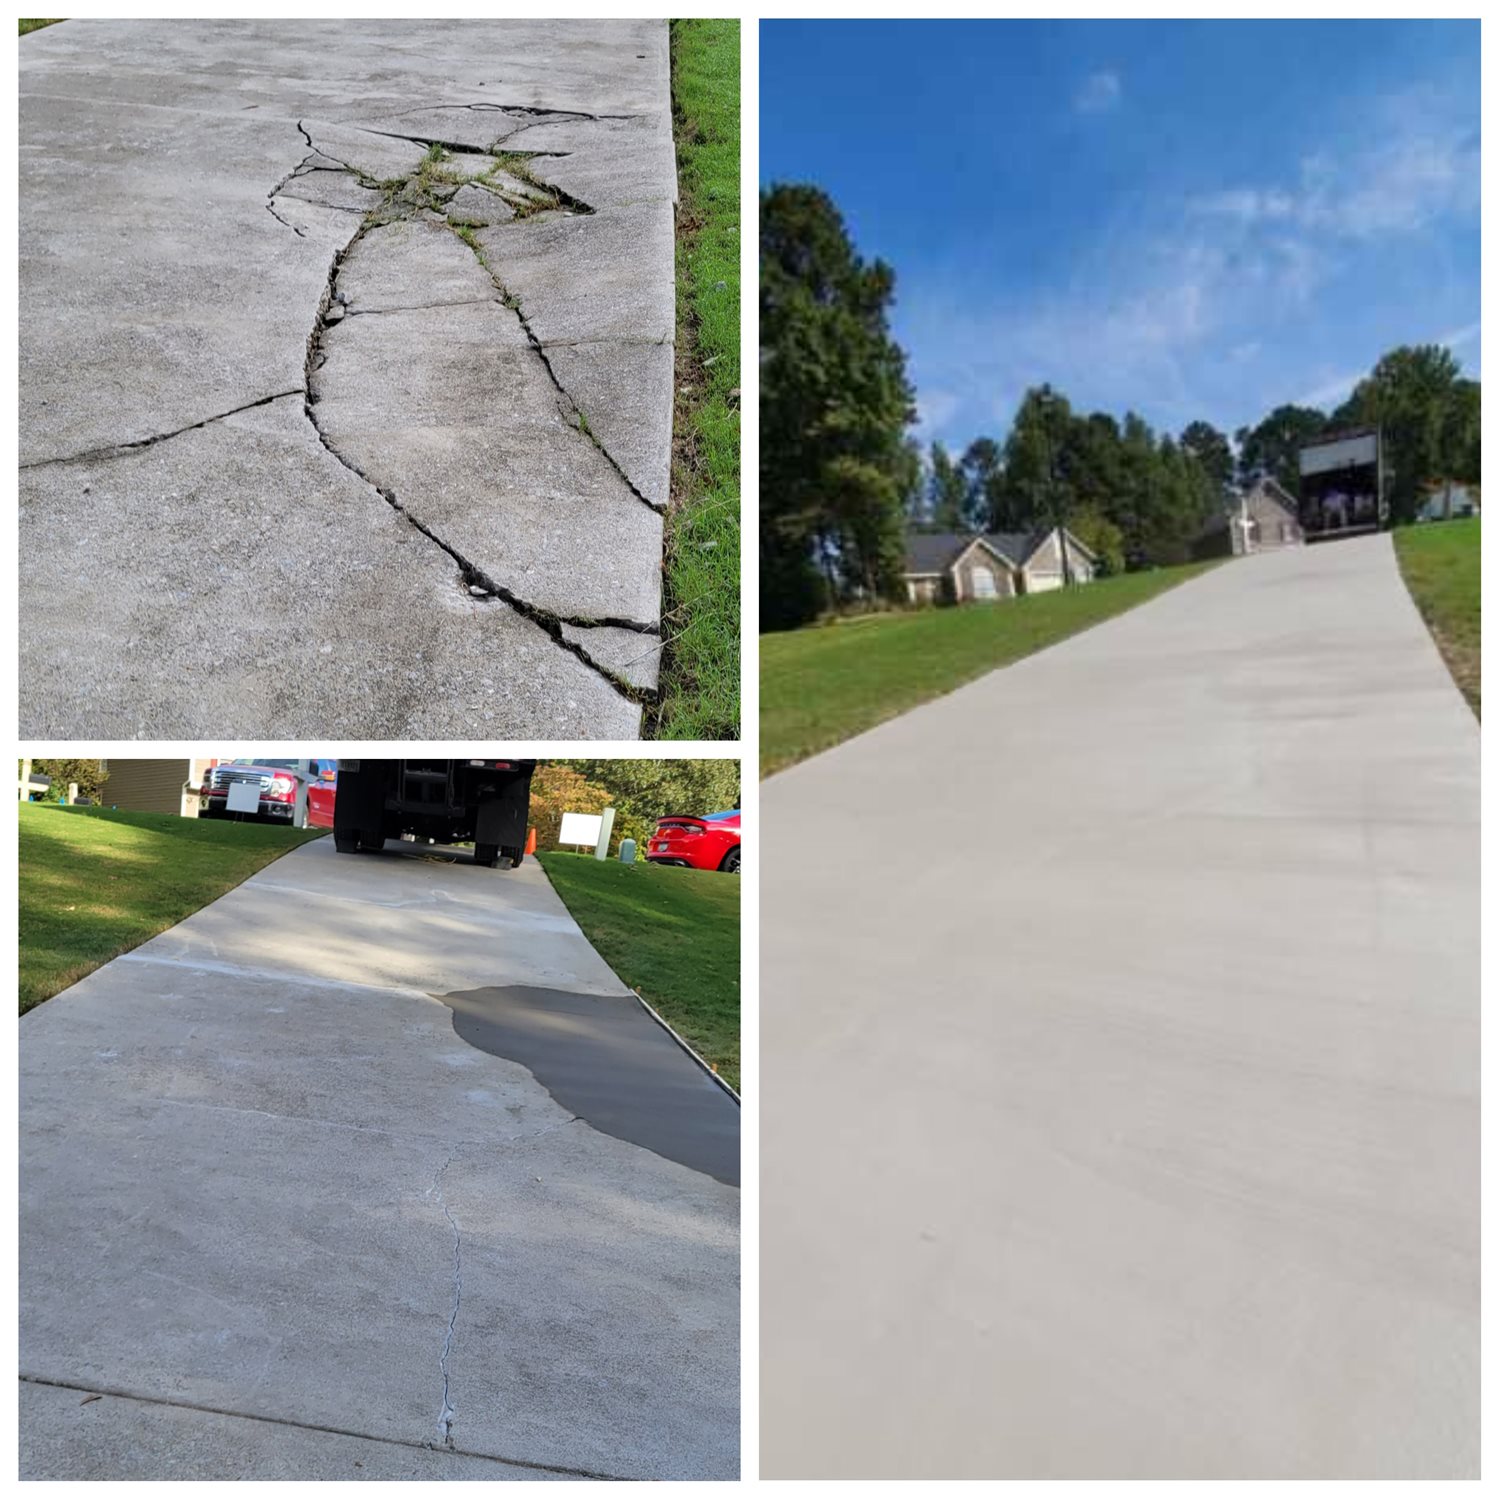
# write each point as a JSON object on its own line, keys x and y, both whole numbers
{"x": 711, "y": 843}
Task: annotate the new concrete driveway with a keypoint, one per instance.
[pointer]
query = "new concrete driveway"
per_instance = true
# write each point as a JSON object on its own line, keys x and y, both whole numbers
{"x": 322, "y": 435}
{"x": 285, "y": 1205}
{"x": 1120, "y": 1056}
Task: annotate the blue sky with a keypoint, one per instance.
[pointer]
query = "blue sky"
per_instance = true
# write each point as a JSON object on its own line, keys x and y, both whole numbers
{"x": 1187, "y": 219}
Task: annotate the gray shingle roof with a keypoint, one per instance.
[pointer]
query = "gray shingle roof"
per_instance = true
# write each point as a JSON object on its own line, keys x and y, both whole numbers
{"x": 936, "y": 552}
{"x": 933, "y": 552}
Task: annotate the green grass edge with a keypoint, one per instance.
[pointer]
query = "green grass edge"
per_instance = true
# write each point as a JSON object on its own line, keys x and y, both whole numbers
{"x": 677, "y": 950}
{"x": 1112, "y": 596}
{"x": 38, "y": 982}
{"x": 1440, "y": 564}
{"x": 699, "y": 697}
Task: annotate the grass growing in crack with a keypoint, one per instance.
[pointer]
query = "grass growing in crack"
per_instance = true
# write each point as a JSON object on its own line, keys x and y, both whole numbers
{"x": 518, "y": 164}
{"x": 700, "y": 682}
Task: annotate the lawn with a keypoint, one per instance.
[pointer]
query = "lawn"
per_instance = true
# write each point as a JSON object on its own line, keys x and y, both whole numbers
{"x": 825, "y": 683}
{"x": 672, "y": 934}
{"x": 700, "y": 682}
{"x": 95, "y": 883}
{"x": 1440, "y": 562}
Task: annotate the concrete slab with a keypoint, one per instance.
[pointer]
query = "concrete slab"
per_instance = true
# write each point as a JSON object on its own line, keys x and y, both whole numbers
{"x": 233, "y": 610}
{"x": 478, "y": 206}
{"x": 605, "y": 163}
{"x": 264, "y": 1179}
{"x": 630, "y": 654}
{"x": 476, "y": 445}
{"x": 417, "y": 263}
{"x": 1124, "y": 1123}
{"x": 186, "y": 189}
{"x": 605, "y": 275}
{"x": 625, "y": 392}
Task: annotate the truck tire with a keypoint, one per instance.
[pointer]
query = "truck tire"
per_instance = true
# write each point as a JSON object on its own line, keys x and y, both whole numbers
{"x": 486, "y": 855}
{"x": 515, "y": 854}
{"x": 346, "y": 843}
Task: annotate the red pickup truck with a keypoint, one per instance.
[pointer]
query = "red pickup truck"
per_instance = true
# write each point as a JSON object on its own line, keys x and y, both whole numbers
{"x": 274, "y": 784}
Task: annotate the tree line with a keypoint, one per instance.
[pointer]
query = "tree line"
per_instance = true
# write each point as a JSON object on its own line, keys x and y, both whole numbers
{"x": 843, "y": 481}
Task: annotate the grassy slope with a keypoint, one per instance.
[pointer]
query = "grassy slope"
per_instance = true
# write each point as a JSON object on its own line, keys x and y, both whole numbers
{"x": 1440, "y": 562}
{"x": 37, "y": 25}
{"x": 701, "y": 664}
{"x": 821, "y": 685}
{"x": 674, "y": 935}
{"x": 95, "y": 883}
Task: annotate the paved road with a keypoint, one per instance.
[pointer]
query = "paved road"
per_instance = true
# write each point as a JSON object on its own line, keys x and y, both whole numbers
{"x": 339, "y": 447}
{"x": 1120, "y": 1056}
{"x": 295, "y": 1224}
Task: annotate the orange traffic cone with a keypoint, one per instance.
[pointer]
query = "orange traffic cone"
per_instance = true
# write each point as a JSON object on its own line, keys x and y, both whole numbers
{"x": 531, "y": 841}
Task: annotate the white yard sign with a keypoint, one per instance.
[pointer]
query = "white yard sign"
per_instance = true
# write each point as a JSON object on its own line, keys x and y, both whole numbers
{"x": 580, "y": 828}
{"x": 244, "y": 796}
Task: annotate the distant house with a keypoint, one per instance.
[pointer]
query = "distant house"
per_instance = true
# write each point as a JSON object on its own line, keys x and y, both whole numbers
{"x": 1259, "y": 519}
{"x": 949, "y": 568}
{"x": 1447, "y": 500}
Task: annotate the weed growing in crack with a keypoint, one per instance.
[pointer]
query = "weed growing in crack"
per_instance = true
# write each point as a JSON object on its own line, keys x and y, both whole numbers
{"x": 465, "y": 232}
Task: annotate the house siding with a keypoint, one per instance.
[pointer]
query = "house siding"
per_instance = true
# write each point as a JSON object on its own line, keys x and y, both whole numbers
{"x": 969, "y": 572}
{"x": 146, "y": 785}
{"x": 1271, "y": 524}
{"x": 1044, "y": 568}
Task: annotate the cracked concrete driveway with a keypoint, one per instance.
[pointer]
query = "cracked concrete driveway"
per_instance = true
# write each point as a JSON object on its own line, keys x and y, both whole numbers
{"x": 1120, "y": 1056}
{"x": 346, "y": 377}
{"x": 284, "y": 1205}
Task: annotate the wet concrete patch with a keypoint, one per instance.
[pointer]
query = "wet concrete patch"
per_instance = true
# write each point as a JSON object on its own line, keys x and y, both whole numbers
{"x": 606, "y": 1060}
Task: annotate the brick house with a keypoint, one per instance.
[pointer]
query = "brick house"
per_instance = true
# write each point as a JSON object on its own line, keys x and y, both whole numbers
{"x": 948, "y": 568}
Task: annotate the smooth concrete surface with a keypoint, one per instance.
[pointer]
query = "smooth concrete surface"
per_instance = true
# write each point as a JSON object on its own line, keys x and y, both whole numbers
{"x": 187, "y": 192}
{"x": 1120, "y": 1056}
{"x": 263, "y": 1181}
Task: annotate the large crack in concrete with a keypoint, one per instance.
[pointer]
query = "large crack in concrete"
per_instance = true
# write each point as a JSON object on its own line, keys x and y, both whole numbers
{"x": 406, "y": 198}
{"x": 119, "y": 450}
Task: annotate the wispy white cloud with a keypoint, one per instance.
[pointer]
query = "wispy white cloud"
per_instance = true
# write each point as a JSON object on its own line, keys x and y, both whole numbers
{"x": 1097, "y": 93}
{"x": 1419, "y": 167}
{"x": 1459, "y": 338}
{"x": 1216, "y": 306}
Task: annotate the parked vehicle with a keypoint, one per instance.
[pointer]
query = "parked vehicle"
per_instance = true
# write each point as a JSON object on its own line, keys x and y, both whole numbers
{"x": 274, "y": 781}
{"x": 1342, "y": 478}
{"x": 486, "y": 802}
{"x": 708, "y": 843}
